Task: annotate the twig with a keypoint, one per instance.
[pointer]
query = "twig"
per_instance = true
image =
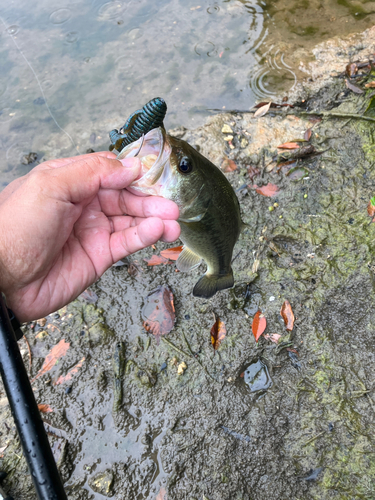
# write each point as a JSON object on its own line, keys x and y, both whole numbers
{"x": 28, "y": 346}
{"x": 328, "y": 114}
{"x": 313, "y": 438}
{"x": 176, "y": 348}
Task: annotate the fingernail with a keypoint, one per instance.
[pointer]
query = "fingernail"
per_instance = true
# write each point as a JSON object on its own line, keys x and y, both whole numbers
{"x": 130, "y": 162}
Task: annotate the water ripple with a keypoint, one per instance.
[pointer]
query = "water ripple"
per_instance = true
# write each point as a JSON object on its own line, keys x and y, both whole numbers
{"x": 60, "y": 16}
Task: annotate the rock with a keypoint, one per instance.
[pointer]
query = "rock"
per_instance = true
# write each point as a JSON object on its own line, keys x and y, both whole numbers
{"x": 226, "y": 129}
{"x": 181, "y": 368}
{"x": 102, "y": 483}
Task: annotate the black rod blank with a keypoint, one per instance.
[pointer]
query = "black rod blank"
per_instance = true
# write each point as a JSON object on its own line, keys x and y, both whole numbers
{"x": 36, "y": 447}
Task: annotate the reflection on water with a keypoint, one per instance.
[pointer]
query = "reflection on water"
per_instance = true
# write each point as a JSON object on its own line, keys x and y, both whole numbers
{"x": 72, "y": 69}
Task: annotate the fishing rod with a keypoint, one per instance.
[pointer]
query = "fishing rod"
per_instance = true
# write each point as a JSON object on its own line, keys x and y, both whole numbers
{"x": 26, "y": 415}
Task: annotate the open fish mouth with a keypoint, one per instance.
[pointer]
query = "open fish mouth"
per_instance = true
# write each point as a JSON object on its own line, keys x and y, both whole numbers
{"x": 153, "y": 151}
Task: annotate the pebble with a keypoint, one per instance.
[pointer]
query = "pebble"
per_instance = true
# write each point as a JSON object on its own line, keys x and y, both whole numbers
{"x": 181, "y": 368}
{"x": 228, "y": 138}
{"x": 226, "y": 129}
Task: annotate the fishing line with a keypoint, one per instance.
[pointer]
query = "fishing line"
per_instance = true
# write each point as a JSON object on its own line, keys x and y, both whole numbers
{"x": 38, "y": 82}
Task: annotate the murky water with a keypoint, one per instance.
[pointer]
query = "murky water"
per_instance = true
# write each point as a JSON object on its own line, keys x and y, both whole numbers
{"x": 72, "y": 71}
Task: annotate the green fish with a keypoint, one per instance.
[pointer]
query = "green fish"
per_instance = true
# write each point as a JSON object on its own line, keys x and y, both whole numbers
{"x": 210, "y": 216}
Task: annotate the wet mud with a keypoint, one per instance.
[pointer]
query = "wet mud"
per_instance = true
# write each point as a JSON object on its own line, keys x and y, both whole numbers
{"x": 254, "y": 421}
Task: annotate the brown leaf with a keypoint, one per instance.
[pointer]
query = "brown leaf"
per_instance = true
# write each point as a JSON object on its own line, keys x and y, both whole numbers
{"x": 218, "y": 332}
{"x": 370, "y": 209}
{"x": 162, "y": 495}
{"x": 262, "y": 110}
{"x": 66, "y": 378}
{"x": 268, "y": 190}
{"x": 171, "y": 253}
{"x": 307, "y": 134}
{"x": 44, "y": 408}
{"x": 158, "y": 312}
{"x": 58, "y": 351}
{"x": 292, "y": 350}
{"x": 253, "y": 172}
{"x": 287, "y": 315}
{"x": 289, "y": 145}
{"x": 353, "y": 88}
{"x": 259, "y": 325}
{"x": 370, "y": 85}
{"x": 242, "y": 374}
{"x": 156, "y": 260}
{"x": 228, "y": 165}
{"x": 351, "y": 70}
{"x": 89, "y": 296}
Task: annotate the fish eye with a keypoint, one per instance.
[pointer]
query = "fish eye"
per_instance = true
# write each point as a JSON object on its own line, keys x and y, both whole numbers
{"x": 185, "y": 165}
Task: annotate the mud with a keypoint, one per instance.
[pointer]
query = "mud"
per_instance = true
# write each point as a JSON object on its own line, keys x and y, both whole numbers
{"x": 305, "y": 432}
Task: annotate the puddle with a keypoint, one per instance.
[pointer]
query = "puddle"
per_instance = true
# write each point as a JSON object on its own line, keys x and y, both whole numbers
{"x": 257, "y": 377}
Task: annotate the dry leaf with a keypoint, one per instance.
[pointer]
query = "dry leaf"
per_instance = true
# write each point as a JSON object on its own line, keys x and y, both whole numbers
{"x": 262, "y": 110}
{"x": 66, "y": 378}
{"x": 253, "y": 172}
{"x": 162, "y": 495}
{"x": 171, "y": 253}
{"x": 218, "y": 332}
{"x": 371, "y": 208}
{"x": 287, "y": 315}
{"x": 351, "y": 70}
{"x": 158, "y": 312}
{"x": 307, "y": 134}
{"x": 292, "y": 350}
{"x": 89, "y": 296}
{"x": 353, "y": 88}
{"x": 273, "y": 337}
{"x": 156, "y": 260}
{"x": 2, "y": 449}
{"x": 44, "y": 408}
{"x": 370, "y": 85}
{"x": 259, "y": 325}
{"x": 228, "y": 165}
{"x": 57, "y": 352}
{"x": 288, "y": 145}
{"x": 268, "y": 190}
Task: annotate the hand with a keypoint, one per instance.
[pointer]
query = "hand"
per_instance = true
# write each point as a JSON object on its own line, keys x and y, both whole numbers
{"x": 63, "y": 224}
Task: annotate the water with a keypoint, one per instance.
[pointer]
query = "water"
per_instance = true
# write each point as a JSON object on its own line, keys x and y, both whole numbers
{"x": 73, "y": 71}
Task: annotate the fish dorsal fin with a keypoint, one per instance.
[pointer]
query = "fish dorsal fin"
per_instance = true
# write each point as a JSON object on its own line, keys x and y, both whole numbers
{"x": 187, "y": 260}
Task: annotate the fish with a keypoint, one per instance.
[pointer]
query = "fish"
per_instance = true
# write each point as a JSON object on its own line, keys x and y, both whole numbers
{"x": 210, "y": 217}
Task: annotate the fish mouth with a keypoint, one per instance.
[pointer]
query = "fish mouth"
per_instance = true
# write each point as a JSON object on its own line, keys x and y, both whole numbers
{"x": 153, "y": 151}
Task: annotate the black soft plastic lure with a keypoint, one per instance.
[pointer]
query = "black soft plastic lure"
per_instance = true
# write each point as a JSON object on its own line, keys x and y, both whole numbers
{"x": 139, "y": 123}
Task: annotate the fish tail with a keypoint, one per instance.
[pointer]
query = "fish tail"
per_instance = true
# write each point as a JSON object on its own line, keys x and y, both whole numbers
{"x": 209, "y": 284}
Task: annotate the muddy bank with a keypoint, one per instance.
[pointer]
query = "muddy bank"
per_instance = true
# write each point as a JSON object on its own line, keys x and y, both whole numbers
{"x": 301, "y": 427}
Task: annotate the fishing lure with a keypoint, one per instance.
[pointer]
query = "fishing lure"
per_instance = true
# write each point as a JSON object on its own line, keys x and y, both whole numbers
{"x": 139, "y": 123}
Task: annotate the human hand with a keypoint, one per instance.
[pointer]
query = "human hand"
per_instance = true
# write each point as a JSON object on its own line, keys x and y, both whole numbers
{"x": 67, "y": 221}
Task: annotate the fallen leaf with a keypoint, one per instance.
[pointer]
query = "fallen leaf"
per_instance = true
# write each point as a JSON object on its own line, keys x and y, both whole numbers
{"x": 89, "y": 296}
{"x": 228, "y": 165}
{"x": 351, "y": 70}
{"x": 259, "y": 325}
{"x": 297, "y": 173}
{"x": 66, "y": 378}
{"x": 292, "y": 350}
{"x": 171, "y": 253}
{"x": 2, "y": 449}
{"x": 133, "y": 269}
{"x": 253, "y": 172}
{"x": 57, "y": 352}
{"x": 162, "y": 495}
{"x": 268, "y": 190}
{"x": 218, "y": 332}
{"x": 370, "y": 85}
{"x": 158, "y": 313}
{"x": 289, "y": 145}
{"x": 44, "y": 408}
{"x": 353, "y": 88}
{"x": 307, "y": 134}
{"x": 156, "y": 260}
{"x": 262, "y": 111}
{"x": 371, "y": 207}
{"x": 221, "y": 53}
{"x": 287, "y": 315}
{"x": 273, "y": 337}
{"x": 242, "y": 374}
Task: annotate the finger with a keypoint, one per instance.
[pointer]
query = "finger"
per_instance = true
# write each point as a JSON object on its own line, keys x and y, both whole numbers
{"x": 171, "y": 232}
{"x": 135, "y": 238}
{"x": 81, "y": 180}
{"x": 122, "y": 202}
{"x": 61, "y": 162}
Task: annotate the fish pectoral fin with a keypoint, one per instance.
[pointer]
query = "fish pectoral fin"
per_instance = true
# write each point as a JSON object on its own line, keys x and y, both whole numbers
{"x": 209, "y": 284}
{"x": 187, "y": 260}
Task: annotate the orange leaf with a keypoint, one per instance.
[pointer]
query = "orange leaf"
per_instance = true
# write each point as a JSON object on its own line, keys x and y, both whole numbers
{"x": 156, "y": 260}
{"x": 370, "y": 85}
{"x": 228, "y": 165}
{"x": 158, "y": 312}
{"x": 66, "y": 378}
{"x": 262, "y": 111}
{"x": 259, "y": 325}
{"x": 171, "y": 253}
{"x": 289, "y": 145}
{"x": 268, "y": 190}
{"x": 274, "y": 337}
{"x": 287, "y": 315}
{"x": 218, "y": 332}
{"x": 307, "y": 134}
{"x": 44, "y": 408}
{"x": 58, "y": 351}
{"x": 370, "y": 209}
